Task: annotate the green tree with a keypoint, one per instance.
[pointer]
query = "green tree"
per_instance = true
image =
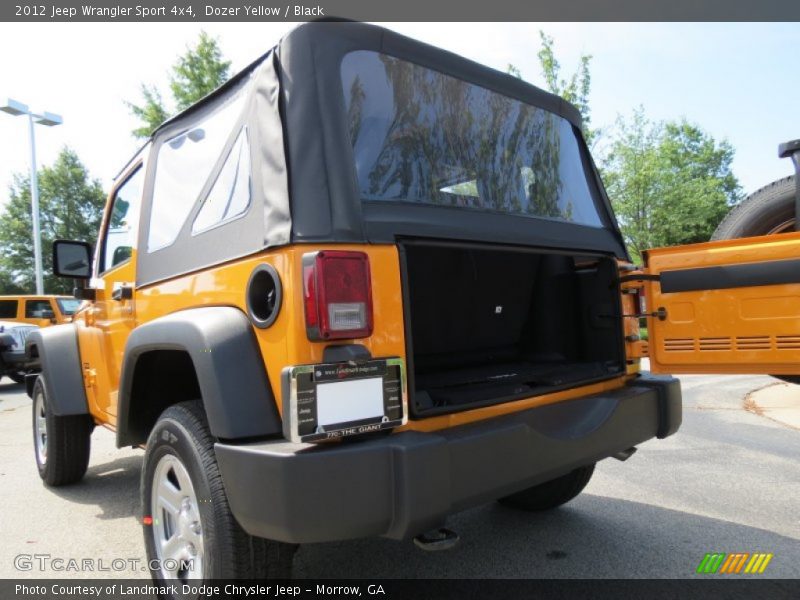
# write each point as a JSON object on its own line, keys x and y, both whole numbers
{"x": 670, "y": 182}
{"x": 574, "y": 89}
{"x": 70, "y": 207}
{"x": 198, "y": 72}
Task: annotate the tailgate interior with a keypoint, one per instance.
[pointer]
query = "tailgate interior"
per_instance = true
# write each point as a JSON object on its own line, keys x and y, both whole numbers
{"x": 487, "y": 324}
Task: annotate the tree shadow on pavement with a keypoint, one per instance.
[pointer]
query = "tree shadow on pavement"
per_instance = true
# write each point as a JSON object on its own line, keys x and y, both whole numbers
{"x": 592, "y": 537}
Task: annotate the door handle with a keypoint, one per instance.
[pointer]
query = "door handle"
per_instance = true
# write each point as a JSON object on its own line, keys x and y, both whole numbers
{"x": 123, "y": 292}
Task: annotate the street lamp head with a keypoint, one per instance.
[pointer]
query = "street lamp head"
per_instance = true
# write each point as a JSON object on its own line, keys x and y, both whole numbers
{"x": 14, "y": 107}
{"x": 49, "y": 119}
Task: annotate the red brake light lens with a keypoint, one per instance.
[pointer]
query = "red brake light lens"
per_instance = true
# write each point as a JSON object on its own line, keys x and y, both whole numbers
{"x": 337, "y": 294}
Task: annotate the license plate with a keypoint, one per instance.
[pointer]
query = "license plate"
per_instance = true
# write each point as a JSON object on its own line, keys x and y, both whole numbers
{"x": 334, "y": 400}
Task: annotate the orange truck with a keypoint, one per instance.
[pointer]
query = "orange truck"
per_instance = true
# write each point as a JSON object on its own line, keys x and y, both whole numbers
{"x": 20, "y": 315}
{"x": 367, "y": 284}
{"x": 42, "y": 311}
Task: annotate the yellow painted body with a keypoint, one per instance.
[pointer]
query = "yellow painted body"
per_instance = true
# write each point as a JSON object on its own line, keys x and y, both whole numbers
{"x": 104, "y": 327}
{"x": 737, "y": 330}
{"x": 742, "y": 330}
{"x": 761, "y": 325}
{"x": 58, "y": 316}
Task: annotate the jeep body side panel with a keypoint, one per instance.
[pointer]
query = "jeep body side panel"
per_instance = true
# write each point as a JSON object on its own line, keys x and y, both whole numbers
{"x": 285, "y": 342}
{"x": 230, "y": 371}
{"x": 60, "y": 360}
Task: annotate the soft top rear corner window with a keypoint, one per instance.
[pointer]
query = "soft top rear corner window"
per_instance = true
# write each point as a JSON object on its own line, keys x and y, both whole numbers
{"x": 421, "y": 136}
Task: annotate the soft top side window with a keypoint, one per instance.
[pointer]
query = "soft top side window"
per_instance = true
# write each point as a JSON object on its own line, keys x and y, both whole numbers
{"x": 230, "y": 195}
{"x": 184, "y": 164}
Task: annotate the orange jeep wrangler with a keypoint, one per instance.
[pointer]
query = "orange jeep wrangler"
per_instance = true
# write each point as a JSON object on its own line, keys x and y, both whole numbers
{"x": 42, "y": 311}
{"x": 364, "y": 285}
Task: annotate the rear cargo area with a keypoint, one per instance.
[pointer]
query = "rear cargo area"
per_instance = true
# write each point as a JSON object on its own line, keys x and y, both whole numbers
{"x": 486, "y": 324}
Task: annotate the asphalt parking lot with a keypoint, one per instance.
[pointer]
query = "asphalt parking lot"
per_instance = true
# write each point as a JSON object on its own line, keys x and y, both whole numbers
{"x": 727, "y": 482}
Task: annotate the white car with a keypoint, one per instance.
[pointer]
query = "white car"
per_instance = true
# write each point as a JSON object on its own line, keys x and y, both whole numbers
{"x": 13, "y": 361}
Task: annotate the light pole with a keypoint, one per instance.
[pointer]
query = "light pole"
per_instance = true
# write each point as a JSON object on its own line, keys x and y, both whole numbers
{"x": 15, "y": 108}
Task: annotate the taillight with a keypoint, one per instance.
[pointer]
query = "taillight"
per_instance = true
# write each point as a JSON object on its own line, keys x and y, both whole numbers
{"x": 337, "y": 293}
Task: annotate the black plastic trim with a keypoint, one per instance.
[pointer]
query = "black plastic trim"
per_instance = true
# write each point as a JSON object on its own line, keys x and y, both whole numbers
{"x": 60, "y": 360}
{"x": 258, "y": 321}
{"x": 230, "y": 370}
{"x": 345, "y": 353}
{"x": 57, "y": 272}
{"x": 723, "y": 277}
{"x": 407, "y": 483}
{"x": 669, "y": 401}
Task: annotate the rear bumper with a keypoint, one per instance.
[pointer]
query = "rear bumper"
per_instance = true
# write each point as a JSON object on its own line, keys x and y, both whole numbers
{"x": 407, "y": 483}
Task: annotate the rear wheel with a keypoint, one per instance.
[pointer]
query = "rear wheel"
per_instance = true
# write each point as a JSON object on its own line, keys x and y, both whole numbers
{"x": 767, "y": 211}
{"x": 191, "y": 533}
{"x": 551, "y": 494}
{"x": 61, "y": 443}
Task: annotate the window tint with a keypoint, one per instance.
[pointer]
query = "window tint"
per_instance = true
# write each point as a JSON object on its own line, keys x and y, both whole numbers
{"x": 38, "y": 309}
{"x": 8, "y": 309}
{"x": 123, "y": 226}
{"x": 184, "y": 165}
{"x": 424, "y": 137}
{"x": 230, "y": 195}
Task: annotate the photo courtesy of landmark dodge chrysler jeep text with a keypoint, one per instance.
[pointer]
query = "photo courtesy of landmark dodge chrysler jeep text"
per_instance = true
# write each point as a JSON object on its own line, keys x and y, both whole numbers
{"x": 367, "y": 284}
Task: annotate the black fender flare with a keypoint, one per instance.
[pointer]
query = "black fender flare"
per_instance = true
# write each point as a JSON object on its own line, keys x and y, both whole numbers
{"x": 230, "y": 371}
{"x": 60, "y": 361}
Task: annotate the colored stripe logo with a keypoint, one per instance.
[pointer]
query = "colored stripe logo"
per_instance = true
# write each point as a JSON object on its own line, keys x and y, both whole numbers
{"x": 719, "y": 563}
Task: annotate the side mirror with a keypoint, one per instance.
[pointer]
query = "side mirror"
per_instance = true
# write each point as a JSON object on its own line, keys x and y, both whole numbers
{"x": 72, "y": 259}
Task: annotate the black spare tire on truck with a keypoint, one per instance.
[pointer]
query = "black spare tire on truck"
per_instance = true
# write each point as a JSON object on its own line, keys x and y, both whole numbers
{"x": 764, "y": 212}
{"x": 767, "y": 211}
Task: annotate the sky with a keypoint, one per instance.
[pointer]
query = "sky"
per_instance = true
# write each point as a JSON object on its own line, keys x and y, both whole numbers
{"x": 738, "y": 81}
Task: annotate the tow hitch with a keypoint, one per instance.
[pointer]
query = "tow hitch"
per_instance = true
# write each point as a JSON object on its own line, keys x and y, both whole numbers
{"x": 437, "y": 539}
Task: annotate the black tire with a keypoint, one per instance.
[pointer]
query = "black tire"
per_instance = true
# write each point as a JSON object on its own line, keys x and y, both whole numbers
{"x": 764, "y": 211}
{"x": 768, "y": 210}
{"x": 62, "y": 455}
{"x": 228, "y": 552}
{"x": 18, "y": 377}
{"x": 551, "y": 494}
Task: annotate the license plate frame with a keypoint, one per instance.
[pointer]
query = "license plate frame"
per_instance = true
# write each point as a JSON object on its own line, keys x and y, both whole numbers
{"x": 304, "y": 407}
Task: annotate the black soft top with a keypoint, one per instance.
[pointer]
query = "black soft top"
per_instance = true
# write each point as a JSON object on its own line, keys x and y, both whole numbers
{"x": 305, "y": 188}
